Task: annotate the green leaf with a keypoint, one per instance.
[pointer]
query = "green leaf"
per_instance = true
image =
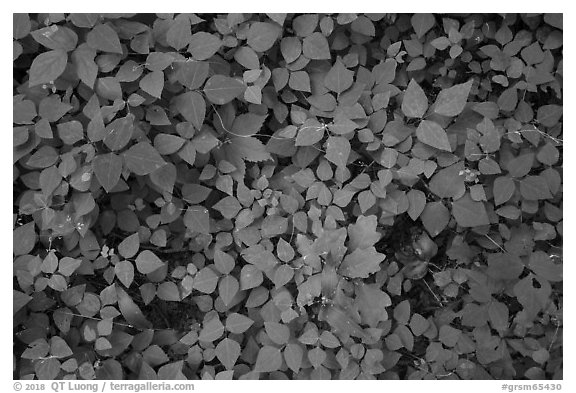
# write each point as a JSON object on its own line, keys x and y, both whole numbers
{"x": 212, "y": 330}
{"x": 228, "y": 207}
{"x": 299, "y": 81}
{"x": 107, "y": 168}
{"x": 451, "y": 101}
{"x": 269, "y": 359}
{"x": 337, "y": 151}
{"x": 315, "y": 47}
{"x": 59, "y": 348}
{"x": 249, "y": 149}
{"x": 222, "y": 89}
{"x": 124, "y": 270}
{"x": 204, "y": 45}
{"x": 147, "y": 262}
{"x": 449, "y": 336}
{"x": 172, "y": 371}
{"x": 262, "y": 36}
{"x": 402, "y": 312}
{"x": 415, "y": 102}
{"x": 432, "y": 134}
{"x": 105, "y": 39}
{"x": 143, "y": 159}
{"x": 47, "y": 67}
{"x": 422, "y": 23}
{"x": 228, "y": 288}
{"x": 47, "y": 368}
{"x": 291, "y": 48}
{"x": 228, "y": 351}
{"x": 469, "y": 213}
{"x": 339, "y": 78}
{"x": 56, "y": 37}
{"x": 499, "y": 314}
{"x": 238, "y": 323}
{"x": 153, "y": 83}
{"x": 361, "y": 263}
{"x": 197, "y": 219}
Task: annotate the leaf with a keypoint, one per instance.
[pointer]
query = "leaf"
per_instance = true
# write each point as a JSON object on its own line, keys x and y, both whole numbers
{"x": 47, "y": 368}
{"x": 435, "y": 218}
{"x": 119, "y": 132}
{"x": 212, "y": 330}
{"x": 197, "y": 219}
{"x": 402, "y": 312}
{"x": 299, "y": 81}
{"x": 449, "y": 182}
{"x": 542, "y": 264}
{"x": 238, "y": 323}
{"x": 228, "y": 351}
{"x": 504, "y": 266}
{"x": 247, "y": 124}
{"x": 107, "y": 168}
{"x": 417, "y": 200}
{"x": 86, "y": 68}
{"x": 192, "y": 74}
{"x": 172, "y": 371}
{"x": 415, "y": 102}
{"x": 372, "y": 303}
{"x": 291, "y": 48}
{"x": 179, "y": 33}
{"x": 337, "y": 151}
{"x": 363, "y": 233}
{"x": 422, "y": 23}
{"x": 143, "y": 159}
{"x": 277, "y": 332}
{"x": 293, "y": 355}
{"x": 361, "y": 263}
{"x": 499, "y": 314}
{"x": 309, "y": 133}
{"x": 130, "y": 311}
{"x": 535, "y": 188}
{"x": 147, "y": 262}
{"x": 262, "y": 35}
{"x": 315, "y": 47}
{"x": 104, "y": 38}
{"x": 418, "y": 324}
{"x": 339, "y": 78}
{"x": 205, "y": 280}
{"x": 449, "y": 336}
{"x": 228, "y": 207}
{"x": 520, "y": 166}
{"x": 153, "y": 83}
{"x": 56, "y": 37}
{"x": 222, "y": 89}
{"x": 269, "y": 359}
{"x": 451, "y": 101}
{"x": 204, "y": 45}
{"x": 503, "y": 190}
{"x": 59, "y": 348}
{"x": 228, "y": 288}
{"x": 432, "y": 134}
{"x": 249, "y": 149}
{"x": 124, "y": 270}
{"x": 192, "y": 107}
{"x": 469, "y": 213}
{"x": 47, "y": 67}
{"x": 24, "y": 239}
{"x": 19, "y": 300}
